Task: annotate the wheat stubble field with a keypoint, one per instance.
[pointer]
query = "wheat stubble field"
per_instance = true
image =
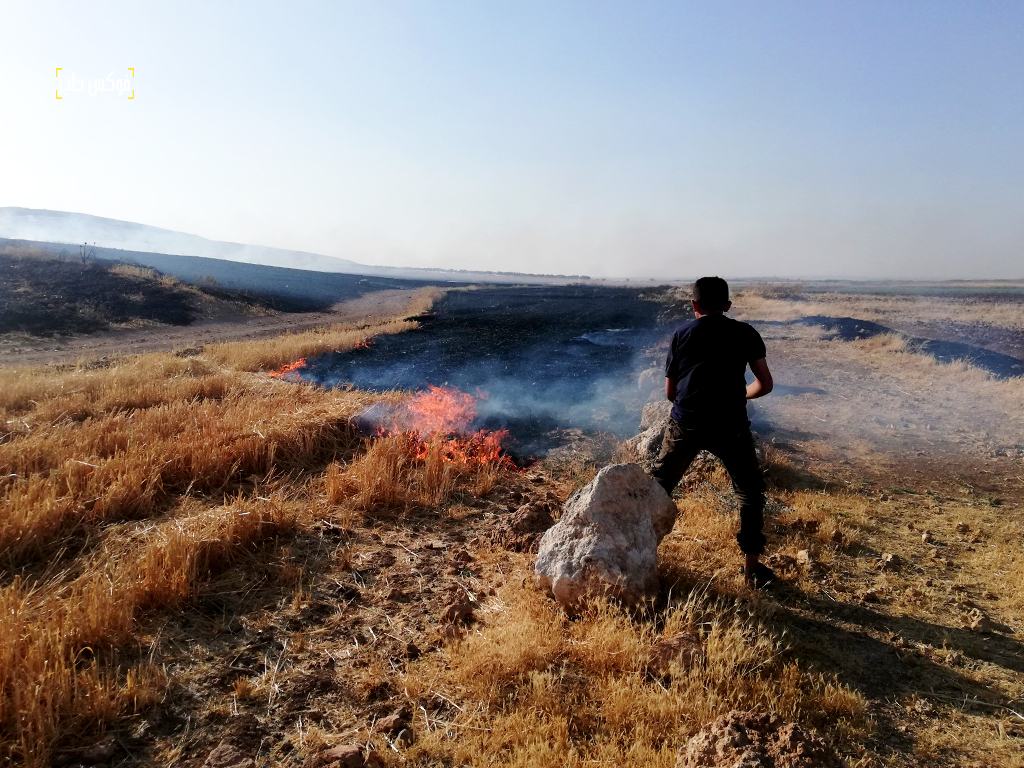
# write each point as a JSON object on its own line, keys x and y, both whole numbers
{"x": 198, "y": 556}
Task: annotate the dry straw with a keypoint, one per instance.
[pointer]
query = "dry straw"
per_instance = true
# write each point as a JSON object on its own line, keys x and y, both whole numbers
{"x": 191, "y": 447}
{"x": 536, "y": 689}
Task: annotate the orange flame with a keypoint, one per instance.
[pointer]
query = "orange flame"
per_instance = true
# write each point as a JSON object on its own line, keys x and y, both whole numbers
{"x": 443, "y": 415}
{"x": 477, "y": 449}
{"x": 287, "y": 368}
{"x": 440, "y": 411}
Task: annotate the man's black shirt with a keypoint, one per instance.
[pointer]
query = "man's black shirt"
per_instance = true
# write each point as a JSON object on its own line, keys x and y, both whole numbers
{"x": 708, "y": 360}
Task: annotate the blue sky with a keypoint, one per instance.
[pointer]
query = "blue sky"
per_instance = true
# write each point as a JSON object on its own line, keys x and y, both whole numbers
{"x": 844, "y": 139}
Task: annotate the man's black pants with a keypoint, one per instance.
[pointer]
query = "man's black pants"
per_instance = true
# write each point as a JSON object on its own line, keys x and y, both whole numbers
{"x": 735, "y": 448}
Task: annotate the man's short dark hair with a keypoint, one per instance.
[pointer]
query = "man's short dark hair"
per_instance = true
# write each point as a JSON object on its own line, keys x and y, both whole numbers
{"x": 712, "y": 293}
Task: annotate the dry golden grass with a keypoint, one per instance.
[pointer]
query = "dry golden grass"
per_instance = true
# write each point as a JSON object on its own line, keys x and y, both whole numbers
{"x": 883, "y": 379}
{"x": 274, "y": 353}
{"x": 1007, "y": 562}
{"x": 125, "y": 464}
{"x": 534, "y": 689}
{"x": 34, "y": 397}
{"x": 133, "y": 270}
{"x": 210, "y": 460}
{"x": 48, "y": 628}
{"x": 890, "y": 352}
{"x": 396, "y": 474}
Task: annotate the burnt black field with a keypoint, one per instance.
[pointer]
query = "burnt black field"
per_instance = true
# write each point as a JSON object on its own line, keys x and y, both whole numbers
{"x": 545, "y": 359}
{"x": 47, "y": 297}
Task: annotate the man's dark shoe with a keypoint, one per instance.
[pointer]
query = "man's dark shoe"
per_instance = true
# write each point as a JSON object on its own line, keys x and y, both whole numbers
{"x": 760, "y": 577}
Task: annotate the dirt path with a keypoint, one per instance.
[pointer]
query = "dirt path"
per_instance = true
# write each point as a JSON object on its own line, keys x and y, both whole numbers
{"x": 18, "y": 349}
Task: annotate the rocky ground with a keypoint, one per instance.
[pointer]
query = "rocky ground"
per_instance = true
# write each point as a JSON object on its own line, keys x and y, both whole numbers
{"x": 287, "y": 657}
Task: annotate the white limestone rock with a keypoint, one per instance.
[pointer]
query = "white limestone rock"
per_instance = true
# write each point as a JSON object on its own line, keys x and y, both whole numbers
{"x": 606, "y": 542}
{"x": 655, "y": 414}
{"x": 646, "y": 446}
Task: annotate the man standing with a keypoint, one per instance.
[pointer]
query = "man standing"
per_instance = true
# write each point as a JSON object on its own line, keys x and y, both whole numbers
{"x": 705, "y": 378}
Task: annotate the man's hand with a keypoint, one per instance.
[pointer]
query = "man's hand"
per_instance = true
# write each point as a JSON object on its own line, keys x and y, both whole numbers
{"x": 670, "y": 389}
{"x": 762, "y": 383}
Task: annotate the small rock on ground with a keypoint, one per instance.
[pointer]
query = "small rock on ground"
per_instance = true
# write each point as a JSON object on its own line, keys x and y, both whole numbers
{"x": 397, "y": 728}
{"x": 390, "y": 725}
{"x": 807, "y": 526}
{"x": 782, "y": 562}
{"x": 100, "y": 753}
{"x": 345, "y": 756}
{"x": 978, "y": 621}
{"x": 456, "y": 612}
{"x": 405, "y": 737}
{"x": 225, "y": 755}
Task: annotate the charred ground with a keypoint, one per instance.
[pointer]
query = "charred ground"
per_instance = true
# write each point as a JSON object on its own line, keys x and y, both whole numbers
{"x": 46, "y": 296}
{"x": 543, "y": 360}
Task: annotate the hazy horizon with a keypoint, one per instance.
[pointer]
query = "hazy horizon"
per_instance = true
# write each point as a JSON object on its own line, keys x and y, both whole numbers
{"x": 792, "y": 140}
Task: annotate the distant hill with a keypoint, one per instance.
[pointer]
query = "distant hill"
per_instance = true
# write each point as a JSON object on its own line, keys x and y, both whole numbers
{"x": 63, "y": 228}
{"x": 42, "y": 294}
{"x": 76, "y": 228}
{"x": 291, "y": 290}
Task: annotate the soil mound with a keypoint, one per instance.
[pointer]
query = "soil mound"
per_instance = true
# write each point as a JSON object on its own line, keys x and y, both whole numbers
{"x": 522, "y": 532}
{"x": 756, "y": 740}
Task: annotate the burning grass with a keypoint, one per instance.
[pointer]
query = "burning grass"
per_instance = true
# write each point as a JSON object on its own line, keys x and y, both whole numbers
{"x": 424, "y": 450}
{"x": 399, "y": 472}
{"x": 285, "y": 351}
{"x": 439, "y": 421}
{"x": 208, "y": 458}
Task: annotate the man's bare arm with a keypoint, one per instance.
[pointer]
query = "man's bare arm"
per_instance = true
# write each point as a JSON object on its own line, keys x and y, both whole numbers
{"x": 762, "y": 383}
{"x": 670, "y": 389}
